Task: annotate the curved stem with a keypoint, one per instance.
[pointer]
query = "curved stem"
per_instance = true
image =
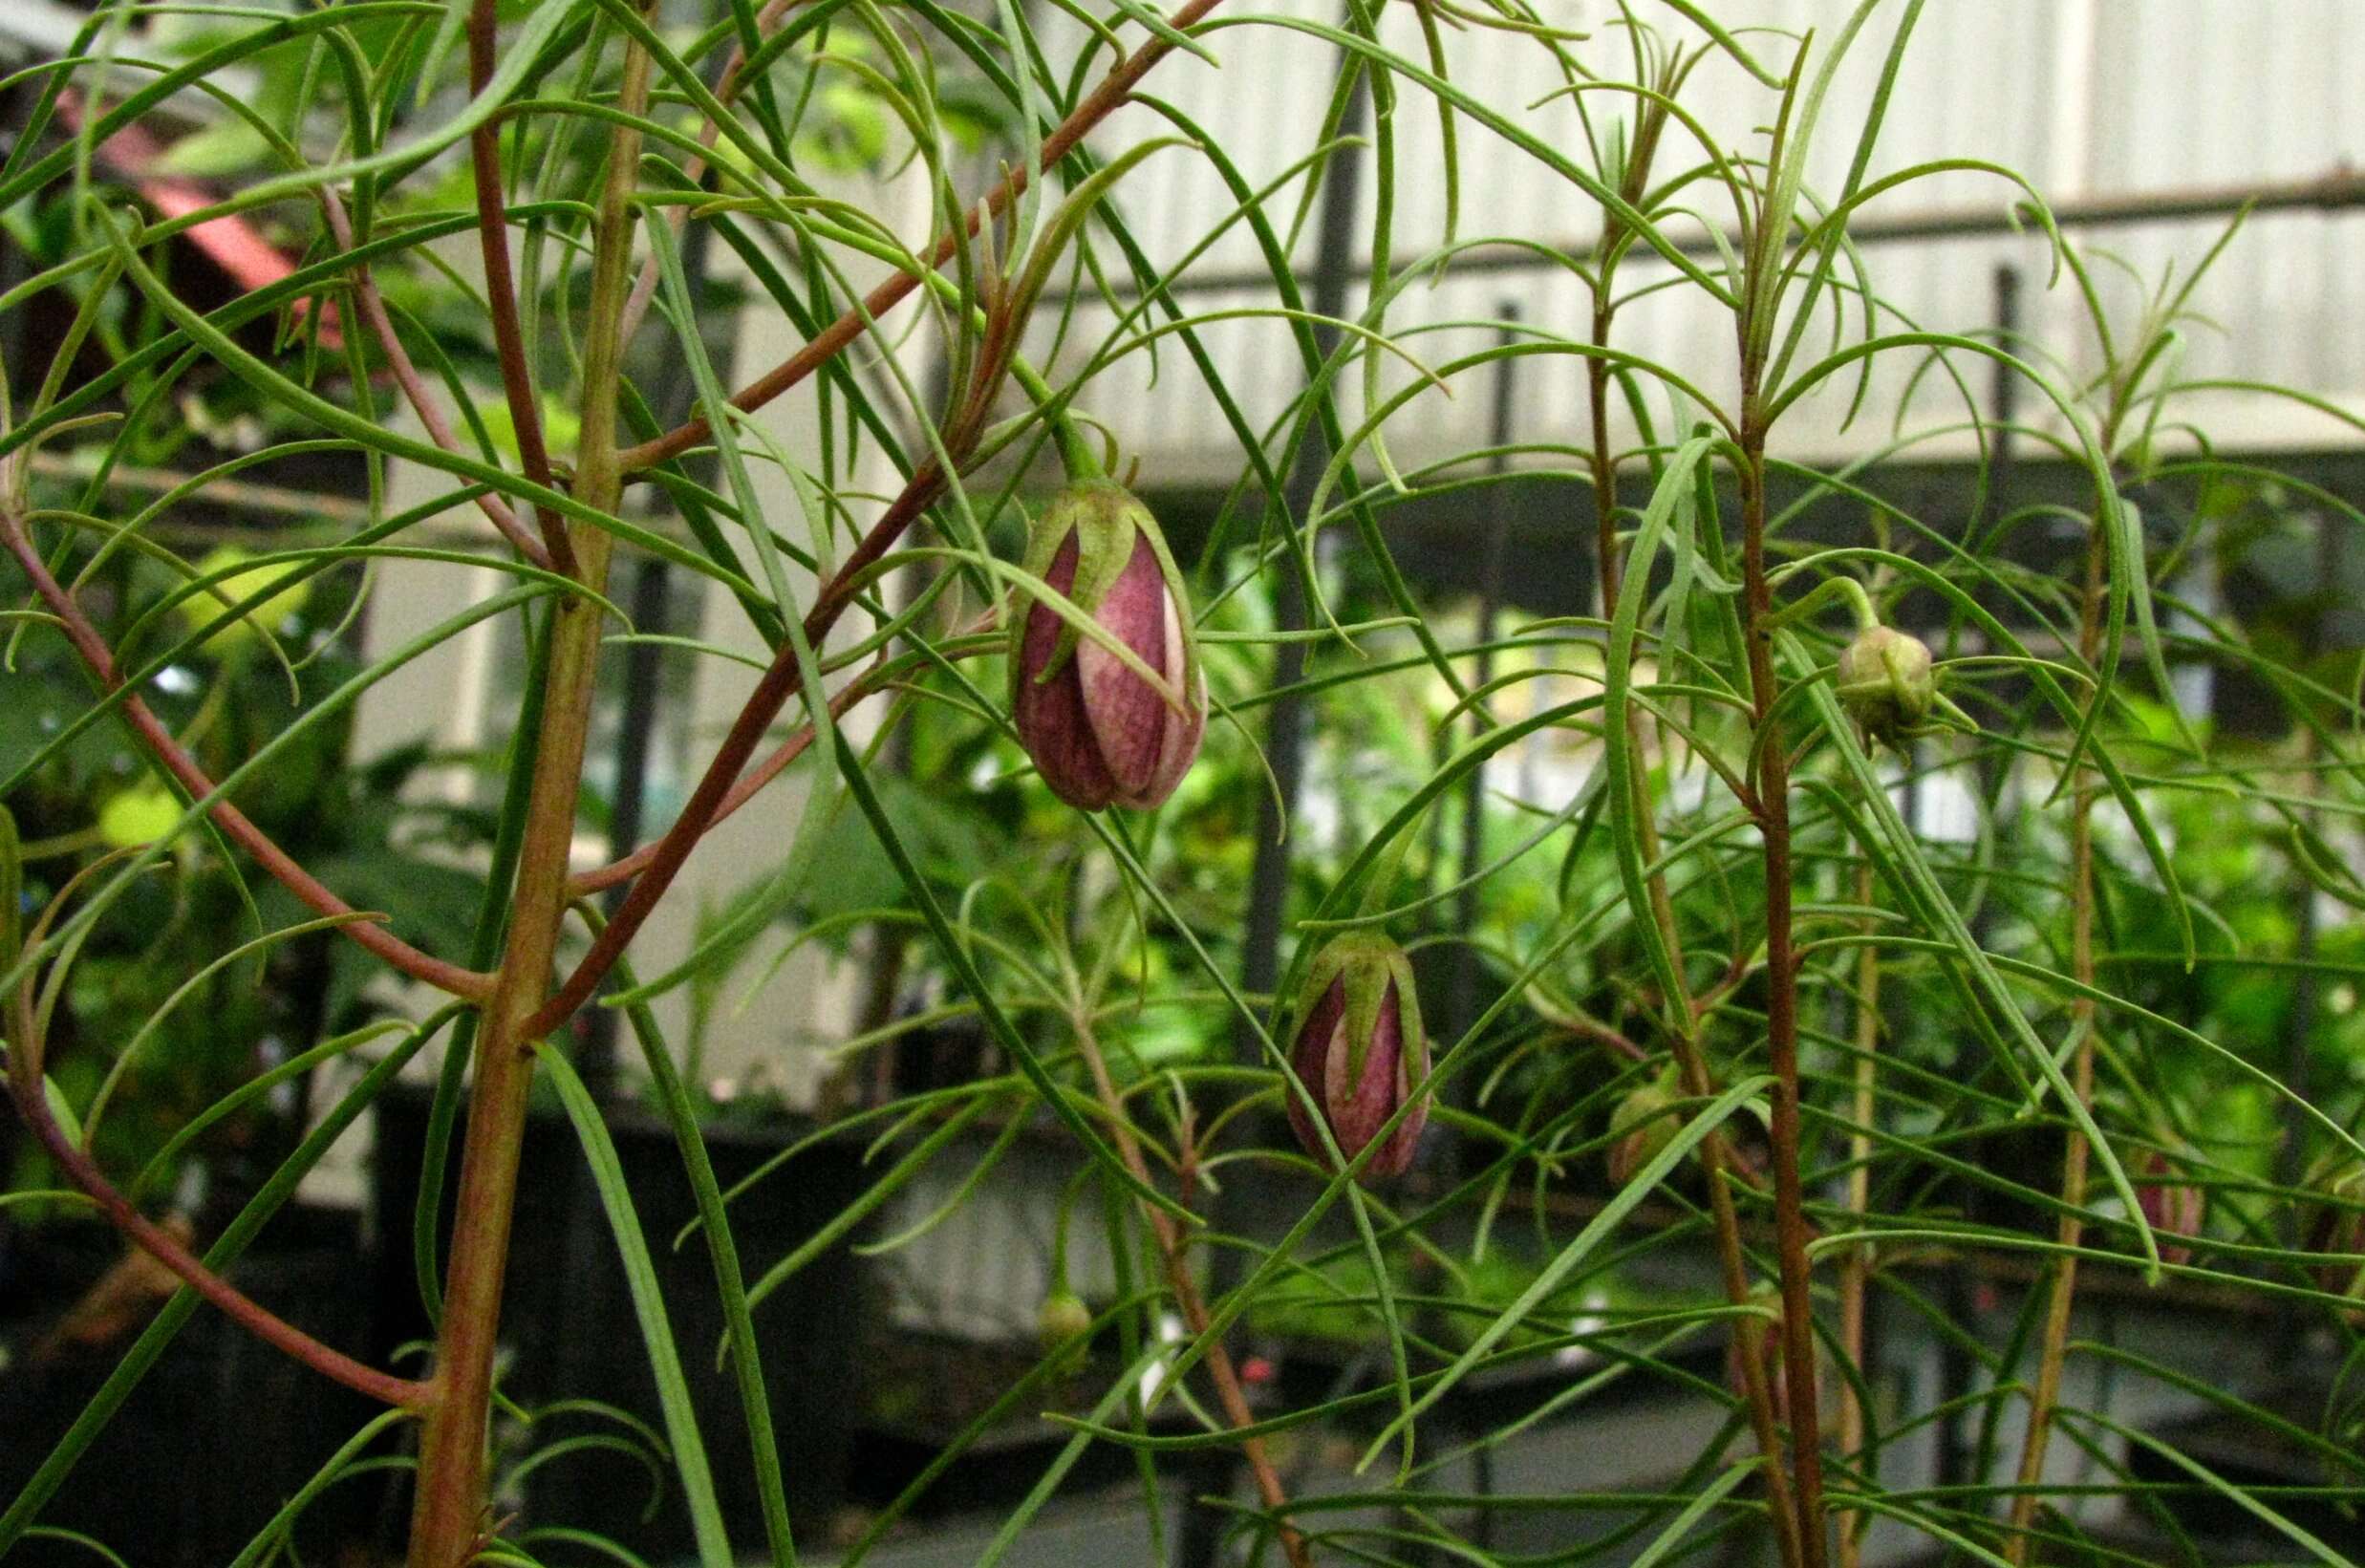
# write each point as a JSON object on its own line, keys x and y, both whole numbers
{"x": 31, "y": 1101}
{"x": 414, "y": 387}
{"x": 492, "y": 225}
{"x": 448, "y": 977}
{"x": 1174, "y": 1251}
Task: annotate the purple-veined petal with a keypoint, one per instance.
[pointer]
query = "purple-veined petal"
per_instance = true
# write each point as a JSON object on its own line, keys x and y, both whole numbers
{"x": 1128, "y": 715}
{"x": 1180, "y": 734}
{"x": 1049, "y": 715}
{"x": 1309, "y": 1058}
{"x": 1358, "y": 1105}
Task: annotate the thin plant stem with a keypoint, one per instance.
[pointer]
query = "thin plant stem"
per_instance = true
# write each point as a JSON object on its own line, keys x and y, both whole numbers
{"x": 448, "y": 1520}
{"x": 1856, "y": 1265}
{"x": 1789, "y": 1226}
{"x": 1174, "y": 1253}
{"x": 492, "y": 224}
{"x": 694, "y": 169}
{"x": 431, "y": 417}
{"x": 1716, "y": 1154}
{"x": 1098, "y": 105}
{"x": 240, "y": 829}
{"x": 2045, "y": 1398}
{"x": 25, "y": 1088}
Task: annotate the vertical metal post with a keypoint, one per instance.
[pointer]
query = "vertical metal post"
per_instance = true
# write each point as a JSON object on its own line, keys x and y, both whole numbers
{"x": 1961, "y": 1290}
{"x": 1462, "y": 990}
{"x": 1284, "y": 743}
{"x": 1284, "y": 747}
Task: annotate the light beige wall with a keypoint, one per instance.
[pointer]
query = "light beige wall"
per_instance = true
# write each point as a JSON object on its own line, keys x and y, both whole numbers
{"x": 773, "y": 1036}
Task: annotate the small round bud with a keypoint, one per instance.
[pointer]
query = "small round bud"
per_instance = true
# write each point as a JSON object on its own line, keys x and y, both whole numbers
{"x": 205, "y": 609}
{"x": 1886, "y": 682}
{"x": 1062, "y": 1319}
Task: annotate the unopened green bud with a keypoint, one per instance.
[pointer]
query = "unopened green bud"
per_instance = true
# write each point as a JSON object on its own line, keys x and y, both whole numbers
{"x": 1062, "y": 1319}
{"x": 1886, "y": 684}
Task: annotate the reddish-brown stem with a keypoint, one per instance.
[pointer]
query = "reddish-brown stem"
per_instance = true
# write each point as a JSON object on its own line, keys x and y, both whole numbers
{"x": 492, "y": 227}
{"x": 1719, "y": 1160}
{"x": 1097, "y": 106}
{"x": 751, "y": 783}
{"x": 234, "y": 824}
{"x": 1789, "y": 1226}
{"x": 414, "y": 387}
{"x": 160, "y": 1244}
{"x": 1174, "y": 1252}
{"x": 740, "y": 794}
{"x": 780, "y": 682}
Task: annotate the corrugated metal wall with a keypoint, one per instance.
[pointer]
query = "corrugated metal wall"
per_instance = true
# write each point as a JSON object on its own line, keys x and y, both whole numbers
{"x": 2087, "y": 97}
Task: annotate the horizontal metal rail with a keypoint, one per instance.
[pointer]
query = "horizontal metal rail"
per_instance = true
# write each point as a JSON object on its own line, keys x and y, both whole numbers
{"x": 2339, "y": 190}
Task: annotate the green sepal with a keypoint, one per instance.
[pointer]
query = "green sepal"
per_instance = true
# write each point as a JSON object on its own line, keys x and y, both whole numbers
{"x": 1102, "y": 516}
{"x": 1188, "y": 680}
{"x": 1366, "y": 962}
{"x": 1106, "y": 518}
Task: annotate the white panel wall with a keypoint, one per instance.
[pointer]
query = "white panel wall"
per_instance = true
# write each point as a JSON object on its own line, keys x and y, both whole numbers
{"x": 2087, "y": 97}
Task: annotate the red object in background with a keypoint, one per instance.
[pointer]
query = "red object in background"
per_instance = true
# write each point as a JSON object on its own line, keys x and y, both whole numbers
{"x": 231, "y": 242}
{"x": 1256, "y": 1369}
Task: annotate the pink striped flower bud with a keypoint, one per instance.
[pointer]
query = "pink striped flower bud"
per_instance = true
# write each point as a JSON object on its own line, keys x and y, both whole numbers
{"x": 1355, "y": 1042}
{"x": 1098, "y": 731}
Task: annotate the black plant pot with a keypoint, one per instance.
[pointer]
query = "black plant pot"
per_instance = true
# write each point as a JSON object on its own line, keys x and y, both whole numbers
{"x": 568, "y": 1323}
{"x": 221, "y": 1432}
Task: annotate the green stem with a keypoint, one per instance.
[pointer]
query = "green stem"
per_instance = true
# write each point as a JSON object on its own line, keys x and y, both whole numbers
{"x": 1692, "y": 1063}
{"x": 1076, "y": 454}
{"x": 1856, "y": 1268}
{"x": 448, "y": 1517}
